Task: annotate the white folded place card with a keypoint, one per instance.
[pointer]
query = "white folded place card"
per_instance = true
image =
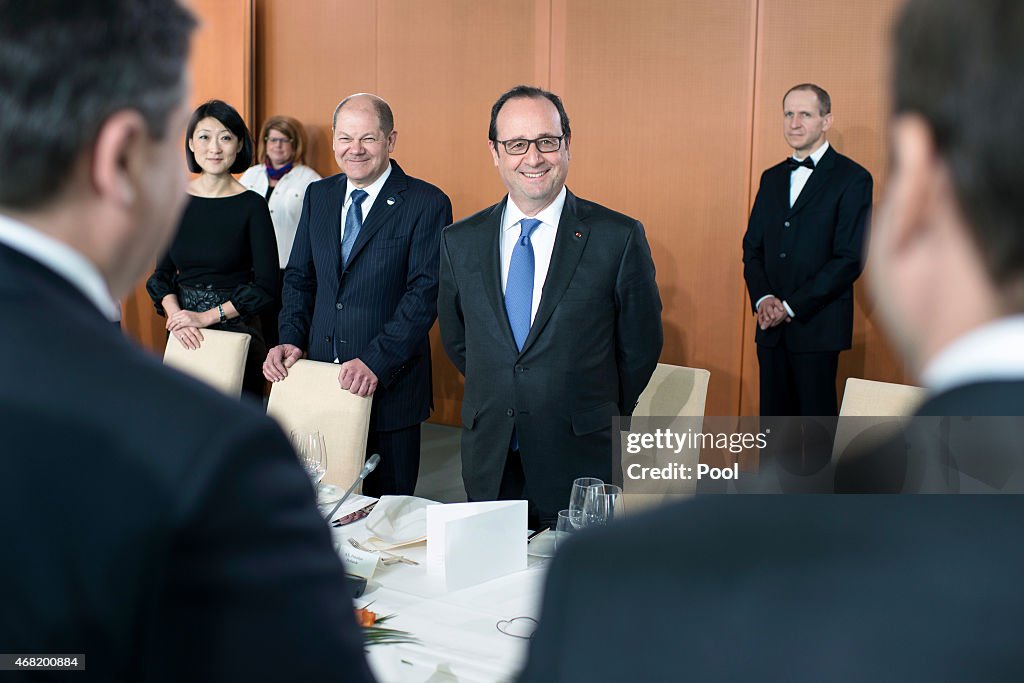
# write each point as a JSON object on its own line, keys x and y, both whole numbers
{"x": 358, "y": 562}
{"x": 469, "y": 543}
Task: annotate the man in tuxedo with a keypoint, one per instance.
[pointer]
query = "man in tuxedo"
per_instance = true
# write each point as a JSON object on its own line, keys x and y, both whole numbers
{"x": 549, "y": 307}
{"x": 801, "y": 256}
{"x": 152, "y": 528}
{"x": 855, "y": 588}
{"x": 360, "y": 288}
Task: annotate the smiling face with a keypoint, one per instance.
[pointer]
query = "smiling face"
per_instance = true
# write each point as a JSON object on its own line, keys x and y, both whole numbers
{"x": 214, "y": 146}
{"x": 533, "y": 179}
{"x": 803, "y": 124}
{"x": 361, "y": 147}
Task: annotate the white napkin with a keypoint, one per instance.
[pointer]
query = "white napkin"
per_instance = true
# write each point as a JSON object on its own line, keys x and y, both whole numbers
{"x": 398, "y": 520}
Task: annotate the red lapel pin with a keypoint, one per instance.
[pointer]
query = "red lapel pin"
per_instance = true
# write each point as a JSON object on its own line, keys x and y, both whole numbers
{"x": 579, "y": 235}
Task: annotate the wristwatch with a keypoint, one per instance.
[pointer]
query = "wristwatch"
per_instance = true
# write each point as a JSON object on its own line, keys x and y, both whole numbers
{"x": 220, "y": 309}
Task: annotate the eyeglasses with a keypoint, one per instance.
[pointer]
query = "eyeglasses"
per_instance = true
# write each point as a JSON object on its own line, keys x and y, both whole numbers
{"x": 519, "y": 147}
{"x": 273, "y": 141}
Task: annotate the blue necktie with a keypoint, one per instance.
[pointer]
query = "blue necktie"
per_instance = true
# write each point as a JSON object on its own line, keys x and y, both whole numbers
{"x": 353, "y": 224}
{"x": 519, "y": 284}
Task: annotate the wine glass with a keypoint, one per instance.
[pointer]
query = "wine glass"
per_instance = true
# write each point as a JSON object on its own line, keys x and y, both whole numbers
{"x": 602, "y": 504}
{"x": 579, "y": 494}
{"x": 312, "y": 452}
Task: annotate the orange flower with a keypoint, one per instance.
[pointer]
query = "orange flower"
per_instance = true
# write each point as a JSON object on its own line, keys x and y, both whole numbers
{"x": 365, "y": 618}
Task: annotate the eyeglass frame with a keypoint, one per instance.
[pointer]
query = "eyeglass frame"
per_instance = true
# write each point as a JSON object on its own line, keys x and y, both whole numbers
{"x": 283, "y": 140}
{"x": 504, "y": 144}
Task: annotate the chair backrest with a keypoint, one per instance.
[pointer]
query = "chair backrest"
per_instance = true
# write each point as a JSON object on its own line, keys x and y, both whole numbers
{"x": 867, "y": 398}
{"x": 310, "y": 399}
{"x": 674, "y": 391}
{"x": 219, "y": 361}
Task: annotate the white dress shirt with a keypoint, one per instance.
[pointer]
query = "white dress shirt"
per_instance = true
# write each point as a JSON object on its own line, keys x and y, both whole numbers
{"x": 371, "y": 195}
{"x": 63, "y": 260}
{"x": 798, "y": 177}
{"x": 286, "y": 202}
{"x": 542, "y": 239}
{"x": 992, "y": 352}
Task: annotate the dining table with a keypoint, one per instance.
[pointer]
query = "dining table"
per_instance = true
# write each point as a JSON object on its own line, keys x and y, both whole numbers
{"x": 478, "y": 634}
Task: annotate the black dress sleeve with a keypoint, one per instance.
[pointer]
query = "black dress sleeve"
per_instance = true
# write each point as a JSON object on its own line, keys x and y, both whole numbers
{"x": 252, "y": 297}
{"x": 162, "y": 282}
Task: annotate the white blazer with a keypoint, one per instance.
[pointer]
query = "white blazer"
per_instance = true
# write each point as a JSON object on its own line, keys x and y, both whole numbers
{"x": 286, "y": 202}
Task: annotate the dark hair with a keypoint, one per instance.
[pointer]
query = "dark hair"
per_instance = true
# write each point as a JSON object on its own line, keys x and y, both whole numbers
{"x": 66, "y": 67}
{"x": 285, "y": 125}
{"x": 824, "y": 101}
{"x": 958, "y": 66}
{"x": 530, "y": 92}
{"x": 226, "y": 114}
{"x": 384, "y": 114}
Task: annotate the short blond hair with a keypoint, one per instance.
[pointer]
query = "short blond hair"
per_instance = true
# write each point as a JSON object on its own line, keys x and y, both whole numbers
{"x": 285, "y": 125}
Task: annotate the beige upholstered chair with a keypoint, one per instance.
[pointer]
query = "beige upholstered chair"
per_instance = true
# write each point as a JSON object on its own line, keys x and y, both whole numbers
{"x": 674, "y": 391}
{"x": 310, "y": 399}
{"x": 865, "y": 398}
{"x": 219, "y": 361}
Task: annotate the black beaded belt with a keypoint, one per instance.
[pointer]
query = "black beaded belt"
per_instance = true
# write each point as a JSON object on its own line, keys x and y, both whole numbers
{"x": 201, "y": 298}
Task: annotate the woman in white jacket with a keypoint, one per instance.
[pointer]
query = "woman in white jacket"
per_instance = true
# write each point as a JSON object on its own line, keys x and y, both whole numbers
{"x": 282, "y": 179}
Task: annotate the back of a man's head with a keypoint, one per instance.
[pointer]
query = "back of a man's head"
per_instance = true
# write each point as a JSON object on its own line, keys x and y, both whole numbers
{"x": 958, "y": 65}
{"x": 65, "y": 67}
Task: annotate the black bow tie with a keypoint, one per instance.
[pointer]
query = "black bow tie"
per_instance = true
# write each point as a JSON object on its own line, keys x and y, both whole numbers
{"x": 806, "y": 162}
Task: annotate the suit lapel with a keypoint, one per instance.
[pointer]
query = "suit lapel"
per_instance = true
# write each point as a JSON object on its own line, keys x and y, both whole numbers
{"x": 819, "y": 177}
{"x": 385, "y": 207}
{"x": 331, "y": 235}
{"x": 490, "y": 267}
{"x": 570, "y": 241}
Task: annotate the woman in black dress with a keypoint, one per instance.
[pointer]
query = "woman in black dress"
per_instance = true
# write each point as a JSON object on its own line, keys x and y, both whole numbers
{"x": 221, "y": 269}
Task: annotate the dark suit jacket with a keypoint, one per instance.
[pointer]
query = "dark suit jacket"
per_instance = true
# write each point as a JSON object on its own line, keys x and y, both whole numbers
{"x": 382, "y": 306}
{"x": 155, "y": 526}
{"x": 591, "y": 350}
{"x": 790, "y": 588}
{"x": 809, "y": 255}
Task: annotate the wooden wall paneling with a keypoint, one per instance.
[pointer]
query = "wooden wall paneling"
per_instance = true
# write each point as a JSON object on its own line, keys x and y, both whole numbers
{"x": 441, "y": 65}
{"x": 841, "y": 46}
{"x": 220, "y": 64}
{"x": 309, "y": 56}
{"x": 659, "y": 94}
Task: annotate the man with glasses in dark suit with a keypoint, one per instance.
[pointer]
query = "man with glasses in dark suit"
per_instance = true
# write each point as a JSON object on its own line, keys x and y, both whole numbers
{"x": 549, "y": 307}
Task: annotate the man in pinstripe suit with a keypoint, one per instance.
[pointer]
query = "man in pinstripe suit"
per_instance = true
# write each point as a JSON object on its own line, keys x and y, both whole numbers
{"x": 360, "y": 288}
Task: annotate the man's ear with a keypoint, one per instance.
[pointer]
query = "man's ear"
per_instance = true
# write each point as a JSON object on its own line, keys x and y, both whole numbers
{"x": 917, "y": 168}
{"x": 118, "y": 156}
{"x": 493, "y": 146}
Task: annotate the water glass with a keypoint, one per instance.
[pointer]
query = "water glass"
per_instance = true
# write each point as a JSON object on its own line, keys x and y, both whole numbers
{"x": 312, "y": 452}
{"x": 602, "y": 505}
{"x": 579, "y": 495}
{"x": 563, "y": 527}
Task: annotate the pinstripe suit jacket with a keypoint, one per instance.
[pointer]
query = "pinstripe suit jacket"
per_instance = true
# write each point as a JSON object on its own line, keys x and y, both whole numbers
{"x": 381, "y": 306}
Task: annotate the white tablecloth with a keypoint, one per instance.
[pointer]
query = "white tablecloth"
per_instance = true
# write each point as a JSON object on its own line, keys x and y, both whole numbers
{"x": 457, "y": 631}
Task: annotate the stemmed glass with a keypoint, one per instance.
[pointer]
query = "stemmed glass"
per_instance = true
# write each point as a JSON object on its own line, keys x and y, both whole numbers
{"x": 602, "y": 504}
{"x": 312, "y": 454}
{"x": 576, "y": 500}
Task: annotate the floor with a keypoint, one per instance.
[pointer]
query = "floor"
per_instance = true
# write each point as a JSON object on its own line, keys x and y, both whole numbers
{"x": 440, "y": 465}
